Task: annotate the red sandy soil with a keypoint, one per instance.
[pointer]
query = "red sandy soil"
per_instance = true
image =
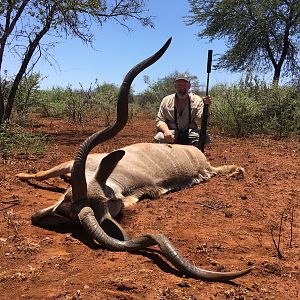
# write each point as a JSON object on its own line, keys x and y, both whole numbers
{"x": 223, "y": 224}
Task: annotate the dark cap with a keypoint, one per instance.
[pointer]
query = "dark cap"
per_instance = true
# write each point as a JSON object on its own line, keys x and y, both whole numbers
{"x": 182, "y": 77}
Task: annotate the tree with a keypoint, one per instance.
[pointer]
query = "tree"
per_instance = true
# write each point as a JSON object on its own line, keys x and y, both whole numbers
{"x": 25, "y": 23}
{"x": 260, "y": 33}
{"x": 106, "y": 96}
{"x": 157, "y": 90}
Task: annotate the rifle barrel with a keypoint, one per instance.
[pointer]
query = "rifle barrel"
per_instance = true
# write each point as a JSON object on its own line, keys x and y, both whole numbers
{"x": 202, "y": 135}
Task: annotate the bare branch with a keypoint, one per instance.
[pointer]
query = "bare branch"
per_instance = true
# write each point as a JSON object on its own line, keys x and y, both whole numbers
{"x": 9, "y": 26}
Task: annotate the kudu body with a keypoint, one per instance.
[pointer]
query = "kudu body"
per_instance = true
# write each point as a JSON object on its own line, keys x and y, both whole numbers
{"x": 102, "y": 184}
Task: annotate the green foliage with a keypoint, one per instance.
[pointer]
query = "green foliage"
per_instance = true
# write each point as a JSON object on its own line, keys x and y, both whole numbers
{"x": 52, "y": 103}
{"x": 157, "y": 90}
{"x": 252, "y": 107}
{"x": 81, "y": 105}
{"x": 27, "y": 95}
{"x": 134, "y": 109}
{"x": 105, "y": 97}
{"x": 14, "y": 141}
{"x": 260, "y": 34}
{"x": 78, "y": 102}
{"x": 281, "y": 111}
{"x": 234, "y": 111}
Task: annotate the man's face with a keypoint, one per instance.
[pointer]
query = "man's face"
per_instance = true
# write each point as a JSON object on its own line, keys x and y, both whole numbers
{"x": 182, "y": 87}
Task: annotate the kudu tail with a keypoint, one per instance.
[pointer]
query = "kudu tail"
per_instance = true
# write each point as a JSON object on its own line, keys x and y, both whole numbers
{"x": 230, "y": 171}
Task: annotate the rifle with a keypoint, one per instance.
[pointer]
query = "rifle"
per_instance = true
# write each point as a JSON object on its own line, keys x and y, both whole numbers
{"x": 202, "y": 135}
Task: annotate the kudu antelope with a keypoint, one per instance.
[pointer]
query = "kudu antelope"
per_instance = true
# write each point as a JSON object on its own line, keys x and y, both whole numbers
{"x": 102, "y": 184}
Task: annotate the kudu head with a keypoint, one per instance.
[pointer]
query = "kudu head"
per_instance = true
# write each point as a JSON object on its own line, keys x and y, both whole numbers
{"x": 95, "y": 204}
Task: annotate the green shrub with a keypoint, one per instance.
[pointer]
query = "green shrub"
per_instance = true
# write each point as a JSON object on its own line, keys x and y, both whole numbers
{"x": 14, "y": 141}
{"x": 234, "y": 111}
{"x": 252, "y": 107}
{"x": 27, "y": 92}
{"x": 280, "y": 113}
{"x": 52, "y": 102}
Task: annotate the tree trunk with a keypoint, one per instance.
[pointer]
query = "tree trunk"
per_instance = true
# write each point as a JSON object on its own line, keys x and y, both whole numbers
{"x": 28, "y": 55}
{"x": 276, "y": 76}
{"x": 1, "y": 103}
{"x": 2, "y": 84}
{"x": 9, "y": 26}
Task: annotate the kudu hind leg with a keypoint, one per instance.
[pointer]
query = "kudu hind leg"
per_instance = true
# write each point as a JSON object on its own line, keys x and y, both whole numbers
{"x": 60, "y": 170}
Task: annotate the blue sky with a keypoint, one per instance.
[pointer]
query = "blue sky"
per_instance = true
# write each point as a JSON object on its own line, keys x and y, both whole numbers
{"x": 116, "y": 50}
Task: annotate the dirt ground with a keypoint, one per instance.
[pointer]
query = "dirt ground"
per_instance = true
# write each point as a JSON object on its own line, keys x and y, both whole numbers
{"x": 223, "y": 224}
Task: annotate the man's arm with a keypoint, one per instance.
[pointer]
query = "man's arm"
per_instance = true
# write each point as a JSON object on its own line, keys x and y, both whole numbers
{"x": 166, "y": 132}
{"x": 161, "y": 122}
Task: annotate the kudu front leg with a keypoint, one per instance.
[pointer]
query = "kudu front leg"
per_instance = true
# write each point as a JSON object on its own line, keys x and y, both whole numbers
{"x": 63, "y": 169}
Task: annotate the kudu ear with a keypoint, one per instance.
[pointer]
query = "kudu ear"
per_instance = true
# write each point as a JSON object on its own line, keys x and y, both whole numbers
{"x": 108, "y": 164}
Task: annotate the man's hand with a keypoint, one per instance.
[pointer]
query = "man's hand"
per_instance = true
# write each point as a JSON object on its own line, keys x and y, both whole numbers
{"x": 207, "y": 100}
{"x": 168, "y": 136}
{"x": 167, "y": 133}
